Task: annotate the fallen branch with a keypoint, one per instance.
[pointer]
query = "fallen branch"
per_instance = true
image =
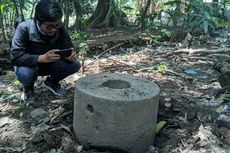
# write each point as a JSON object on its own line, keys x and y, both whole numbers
{"x": 225, "y": 57}
{"x": 180, "y": 51}
{"x": 202, "y": 51}
{"x": 210, "y": 51}
{"x": 187, "y": 78}
{"x": 123, "y": 63}
{"x": 202, "y": 58}
{"x": 104, "y": 53}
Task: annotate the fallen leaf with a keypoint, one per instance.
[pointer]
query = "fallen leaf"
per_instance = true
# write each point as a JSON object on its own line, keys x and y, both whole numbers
{"x": 159, "y": 126}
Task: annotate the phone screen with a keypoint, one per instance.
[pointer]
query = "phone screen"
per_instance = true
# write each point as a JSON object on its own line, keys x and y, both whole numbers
{"x": 64, "y": 52}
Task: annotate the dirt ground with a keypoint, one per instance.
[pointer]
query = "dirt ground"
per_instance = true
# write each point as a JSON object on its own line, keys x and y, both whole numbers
{"x": 188, "y": 102}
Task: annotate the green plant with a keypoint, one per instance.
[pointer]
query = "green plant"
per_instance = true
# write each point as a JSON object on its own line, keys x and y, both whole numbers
{"x": 125, "y": 58}
{"x": 174, "y": 12}
{"x": 160, "y": 67}
{"x": 126, "y": 6}
{"x": 84, "y": 48}
{"x": 203, "y": 16}
{"x": 165, "y": 32}
{"x": 78, "y": 35}
{"x": 160, "y": 35}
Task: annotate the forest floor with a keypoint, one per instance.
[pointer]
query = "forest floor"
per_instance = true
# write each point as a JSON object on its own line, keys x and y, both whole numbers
{"x": 189, "y": 103}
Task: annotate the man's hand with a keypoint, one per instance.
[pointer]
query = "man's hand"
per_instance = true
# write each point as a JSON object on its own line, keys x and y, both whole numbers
{"x": 73, "y": 56}
{"x": 49, "y": 57}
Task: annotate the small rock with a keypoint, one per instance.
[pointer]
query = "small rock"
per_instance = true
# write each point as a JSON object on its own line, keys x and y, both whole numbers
{"x": 225, "y": 132}
{"x": 40, "y": 128}
{"x": 4, "y": 121}
{"x": 168, "y": 104}
{"x": 37, "y": 113}
{"x": 167, "y": 99}
{"x": 79, "y": 148}
{"x": 223, "y": 121}
{"x": 21, "y": 114}
{"x": 15, "y": 100}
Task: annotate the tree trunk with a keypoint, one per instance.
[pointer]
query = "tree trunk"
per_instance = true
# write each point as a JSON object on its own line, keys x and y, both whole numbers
{"x": 32, "y": 11}
{"x": 106, "y": 15}
{"x": 11, "y": 20}
{"x": 16, "y": 8}
{"x": 2, "y": 28}
{"x": 78, "y": 13}
{"x": 66, "y": 20}
{"x": 144, "y": 14}
{"x": 21, "y": 10}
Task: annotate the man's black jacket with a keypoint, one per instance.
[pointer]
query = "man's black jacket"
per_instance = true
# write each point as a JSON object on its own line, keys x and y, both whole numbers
{"x": 29, "y": 42}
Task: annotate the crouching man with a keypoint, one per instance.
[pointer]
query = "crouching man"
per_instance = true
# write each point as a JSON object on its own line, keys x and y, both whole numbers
{"x": 34, "y": 50}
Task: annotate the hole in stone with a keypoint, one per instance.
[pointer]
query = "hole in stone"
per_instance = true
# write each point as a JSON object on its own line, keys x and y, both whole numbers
{"x": 90, "y": 108}
{"x": 108, "y": 149}
{"x": 116, "y": 84}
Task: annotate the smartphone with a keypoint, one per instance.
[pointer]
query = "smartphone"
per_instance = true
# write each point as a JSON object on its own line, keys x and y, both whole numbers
{"x": 64, "y": 52}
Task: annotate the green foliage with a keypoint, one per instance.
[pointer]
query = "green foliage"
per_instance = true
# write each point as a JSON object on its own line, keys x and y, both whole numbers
{"x": 125, "y": 58}
{"x": 88, "y": 6}
{"x": 174, "y": 12}
{"x": 171, "y": 3}
{"x": 205, "y": 16}
{"x": 161, "y": 35}
{"x": 84, "y": 48}
{"x": 127, "y": 6}
{"x": 196, "y": 13}
{"x": 5, "y": 5}
{"x": 160, "y": 67}
{"x": 78, "y": 35}
{"x": 165, "y": 32}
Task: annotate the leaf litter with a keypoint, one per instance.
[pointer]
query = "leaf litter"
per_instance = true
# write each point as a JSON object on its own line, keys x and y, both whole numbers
{"x": 190, "y": 114}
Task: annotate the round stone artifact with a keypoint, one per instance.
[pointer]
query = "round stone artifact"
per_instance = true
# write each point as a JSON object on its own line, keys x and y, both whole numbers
{"x": 116, "y": 111}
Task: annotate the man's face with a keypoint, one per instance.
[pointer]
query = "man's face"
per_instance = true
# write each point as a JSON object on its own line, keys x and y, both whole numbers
{"x": 50, "y": 28}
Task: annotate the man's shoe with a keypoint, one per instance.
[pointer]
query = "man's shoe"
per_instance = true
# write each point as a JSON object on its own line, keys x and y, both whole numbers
{"x": 54, "y": 88}
{"x": 29, "y": 96}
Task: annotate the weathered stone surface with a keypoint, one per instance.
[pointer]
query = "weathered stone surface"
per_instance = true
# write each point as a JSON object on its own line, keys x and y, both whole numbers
{"x": 117, "y": 111}
{"x": 39, "y": 112}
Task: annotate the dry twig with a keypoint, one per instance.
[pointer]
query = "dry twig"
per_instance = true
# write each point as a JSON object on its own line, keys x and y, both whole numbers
{"x": 105, "y": 52}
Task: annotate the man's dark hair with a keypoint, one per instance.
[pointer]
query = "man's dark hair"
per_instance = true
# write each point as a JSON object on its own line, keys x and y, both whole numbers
{"x": 48, "y": 10}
